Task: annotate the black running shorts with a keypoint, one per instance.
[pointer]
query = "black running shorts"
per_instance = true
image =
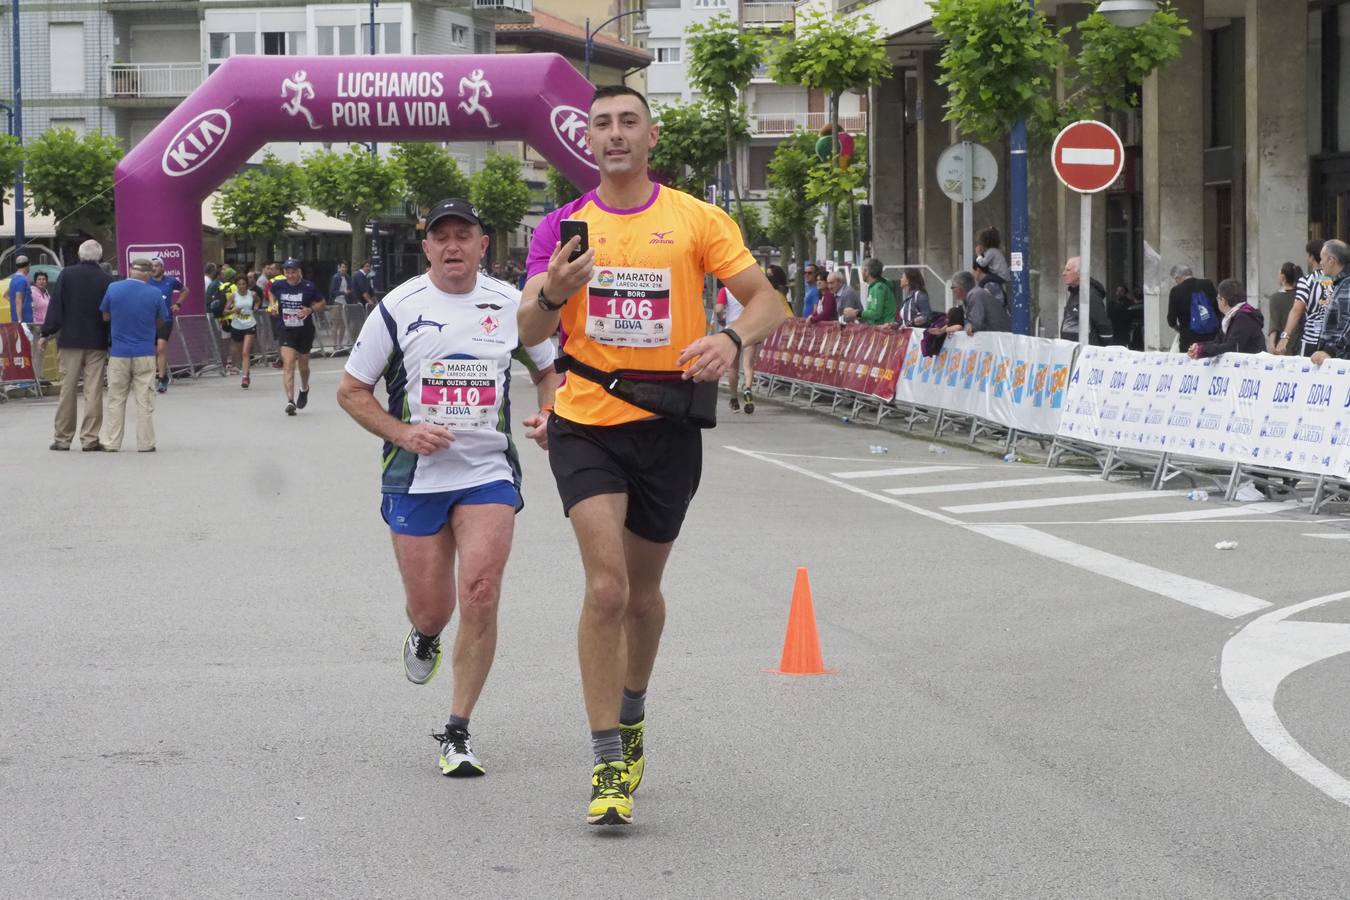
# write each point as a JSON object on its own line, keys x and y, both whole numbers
{"x": 301, "y": 340}
{"x": 164, "y": 330}
{"x": 656, "y": 462}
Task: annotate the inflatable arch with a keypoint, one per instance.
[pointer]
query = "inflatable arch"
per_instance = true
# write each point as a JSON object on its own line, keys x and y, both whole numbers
{"x": 251, "y": 101}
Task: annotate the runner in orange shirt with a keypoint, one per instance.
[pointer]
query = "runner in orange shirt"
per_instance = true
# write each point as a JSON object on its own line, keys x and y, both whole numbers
{"x": 624, "y": 441}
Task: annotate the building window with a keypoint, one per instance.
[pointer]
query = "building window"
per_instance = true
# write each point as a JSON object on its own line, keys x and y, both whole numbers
{"x": 75, "y": 125}
{"x": 337, "y": 40}
{"x": 663, "y": 4}
{"x": 283, "y": 43}
{"x": 66, "y": 43}
{"x": 222, "y": 45}
{"x": 666, "y": 54}
{"x": 459, "y": 35}
{"x": 389, "y": 37}
{"x": 710, "y": 4}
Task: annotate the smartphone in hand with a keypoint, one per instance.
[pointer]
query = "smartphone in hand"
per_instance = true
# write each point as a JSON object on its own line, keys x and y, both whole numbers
{"x": 571, "y": 228}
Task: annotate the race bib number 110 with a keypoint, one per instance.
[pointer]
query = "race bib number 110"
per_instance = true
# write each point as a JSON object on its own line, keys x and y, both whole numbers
{"x": 629, "y": 307}
{"x": 460, "y": 394}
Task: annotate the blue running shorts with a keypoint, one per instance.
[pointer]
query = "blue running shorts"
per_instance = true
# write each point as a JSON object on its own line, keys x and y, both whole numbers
{"x": 423, "y": 515}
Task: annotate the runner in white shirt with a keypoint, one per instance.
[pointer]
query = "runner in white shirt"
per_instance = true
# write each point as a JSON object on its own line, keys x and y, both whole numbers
{"x": 443, "y": 343}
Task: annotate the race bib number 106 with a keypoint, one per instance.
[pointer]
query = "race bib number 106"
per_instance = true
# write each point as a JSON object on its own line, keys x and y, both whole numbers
{"x": 460, "y": 394}
{"x": 629, "y": 307}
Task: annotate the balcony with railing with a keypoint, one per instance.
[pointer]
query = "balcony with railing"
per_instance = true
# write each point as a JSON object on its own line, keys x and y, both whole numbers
{"x": 768, "y": 12}
{"x": 783, "y": 124}
{"x": 520, "y": 11}
{"x": 137, "y": 81}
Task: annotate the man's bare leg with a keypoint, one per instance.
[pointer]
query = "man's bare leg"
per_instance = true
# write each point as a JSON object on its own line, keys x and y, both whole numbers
{"x": 288, "y": 355}
{"x": 483, "y": 534}
{"x": 598, "y": 523}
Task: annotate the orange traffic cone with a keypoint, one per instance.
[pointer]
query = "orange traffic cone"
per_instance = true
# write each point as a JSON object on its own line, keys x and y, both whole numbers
{"x": 801, "y": 647}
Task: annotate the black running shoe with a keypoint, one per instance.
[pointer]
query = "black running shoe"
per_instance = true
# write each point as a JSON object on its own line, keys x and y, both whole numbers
{"x": 290, "y": 408}
{"x": 303, "y": 400}
{"x": 748, "y": 401}
{"x": 457, "y": 758}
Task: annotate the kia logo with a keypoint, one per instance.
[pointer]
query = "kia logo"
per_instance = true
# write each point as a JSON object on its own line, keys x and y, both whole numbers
{"x": 569, "y": 124}
{"x": 196, "y": 142}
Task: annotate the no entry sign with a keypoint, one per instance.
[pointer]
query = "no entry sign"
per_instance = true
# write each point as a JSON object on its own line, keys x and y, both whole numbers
{"x": 1088, "y": 156}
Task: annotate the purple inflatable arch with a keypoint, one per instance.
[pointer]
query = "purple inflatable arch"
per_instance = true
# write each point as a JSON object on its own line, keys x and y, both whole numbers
{"x": 254, "y": 100}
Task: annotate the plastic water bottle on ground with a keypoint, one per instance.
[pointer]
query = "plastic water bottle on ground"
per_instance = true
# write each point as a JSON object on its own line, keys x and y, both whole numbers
{"x": 1200, "y": 496}
{"x": 935, "y": 449}
{"x": 1226, "y": 545}
{"x": 877, "y": 449}
{"x": 1010, "y": 457}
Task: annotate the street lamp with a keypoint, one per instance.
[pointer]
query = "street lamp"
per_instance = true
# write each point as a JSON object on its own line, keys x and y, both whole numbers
{"x": 590, "y": 34}
{"x": 1127, "y": 13}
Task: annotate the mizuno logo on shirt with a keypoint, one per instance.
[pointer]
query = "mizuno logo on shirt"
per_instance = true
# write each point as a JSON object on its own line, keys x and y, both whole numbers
{"x": 659, "y": 237}
{"x": 423, "y": 322}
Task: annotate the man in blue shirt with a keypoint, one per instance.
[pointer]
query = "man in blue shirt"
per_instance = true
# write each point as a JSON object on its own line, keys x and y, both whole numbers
{"x": 174, "y": 294}
{"x": 134, "y": 310}
{"x": 20, "y": 293}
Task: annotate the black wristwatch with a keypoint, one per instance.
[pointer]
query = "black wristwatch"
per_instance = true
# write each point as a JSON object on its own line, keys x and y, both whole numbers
{"x": 545, "y": 305}
{"x": 735, "y": 338}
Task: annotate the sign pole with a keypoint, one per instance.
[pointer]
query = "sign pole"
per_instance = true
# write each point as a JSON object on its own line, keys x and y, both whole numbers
{"x": 968, "y": 204}
{"x": 1085, "y": 272}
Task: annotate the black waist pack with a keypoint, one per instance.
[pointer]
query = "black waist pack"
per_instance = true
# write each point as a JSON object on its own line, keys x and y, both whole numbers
{"x": 667, "y": 394}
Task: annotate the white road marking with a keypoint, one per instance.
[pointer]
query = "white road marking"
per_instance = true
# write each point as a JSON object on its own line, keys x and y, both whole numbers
{"x": 1218, "y": 512}
{"x": 1071, "y": 500}
{"x": 908, "y": 470}
{"x": 985, "y": 485}
{"x": 1176, "y": 587}
{"x": 1087, "y": 156}
{"x": 1330, "y": 537}
{"x": 1254, "y": 664}
{"x": 1193, "y": 592}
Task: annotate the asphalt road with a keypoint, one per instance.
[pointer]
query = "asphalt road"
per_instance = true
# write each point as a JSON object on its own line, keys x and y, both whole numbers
{"x": 200, "y": 693}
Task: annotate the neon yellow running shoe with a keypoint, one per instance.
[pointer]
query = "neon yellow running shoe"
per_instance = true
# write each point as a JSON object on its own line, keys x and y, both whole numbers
{"x": 632, "y": 753}
{"x": 611, "y": 798}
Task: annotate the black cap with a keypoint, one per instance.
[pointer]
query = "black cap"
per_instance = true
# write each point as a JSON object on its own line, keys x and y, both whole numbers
{"x": 454, "y": 208}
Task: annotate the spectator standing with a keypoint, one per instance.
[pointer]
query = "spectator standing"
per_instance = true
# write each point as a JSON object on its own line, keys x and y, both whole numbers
{"x": 846, "y": 297}
{"x": 173, "y": 292}
{"x": 983, "y": 311}
{"x": 880, "y": 308}
{"x": 986, "y": 278}
{"x": 915, "y": 310}
{"x": 1099, "y": 323}
{"x": 1192, "y": 310}
{"x": 133, "y": 308}
{"x": 339, "y": 288}
{"x": 778, "y": 279}
{"x": 363, "y": 285}
{"x": 1281, "y": 305}
{"x": 1334, "y": 338}
{"x": 1125, "y": 311}
{"x": 811, "y": 298}
{"x": 82, "y": 338}
{"x": 826, "y": 309}
{"x": 41, "y": 298}
{"x": 1242, "y": 329}
{"x": 1312, "y": 296}
{"x": 20, "y": 293}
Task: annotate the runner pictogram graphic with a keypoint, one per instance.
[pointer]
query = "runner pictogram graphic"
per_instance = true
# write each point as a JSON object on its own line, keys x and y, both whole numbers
{"x": 303, "y": 90}
{"x": 478, "y": 87}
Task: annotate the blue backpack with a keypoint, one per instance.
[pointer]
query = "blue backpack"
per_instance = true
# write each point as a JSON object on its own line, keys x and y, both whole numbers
{"x": 1204, "y": 318}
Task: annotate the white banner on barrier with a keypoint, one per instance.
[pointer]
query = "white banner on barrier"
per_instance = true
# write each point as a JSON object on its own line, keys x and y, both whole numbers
{"x": 1276, "y": 411}
{"x": 1010, "y": 379}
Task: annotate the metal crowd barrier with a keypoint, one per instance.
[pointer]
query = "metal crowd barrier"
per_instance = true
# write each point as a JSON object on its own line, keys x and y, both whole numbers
{"x": 199, "y": 346}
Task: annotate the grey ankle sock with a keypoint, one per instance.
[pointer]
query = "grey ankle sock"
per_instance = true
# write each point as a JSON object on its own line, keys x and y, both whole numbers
{"x": 634, "y": 707}
{"x": 607, "y": 746}
{"x": 457, "y": 722}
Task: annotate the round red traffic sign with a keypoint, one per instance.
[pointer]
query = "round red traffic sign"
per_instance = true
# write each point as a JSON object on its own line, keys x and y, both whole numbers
{"x": 1088, "y": 156}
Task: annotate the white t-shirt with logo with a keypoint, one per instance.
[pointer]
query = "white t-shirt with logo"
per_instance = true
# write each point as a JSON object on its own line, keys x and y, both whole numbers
{"x": 446, "y": 358}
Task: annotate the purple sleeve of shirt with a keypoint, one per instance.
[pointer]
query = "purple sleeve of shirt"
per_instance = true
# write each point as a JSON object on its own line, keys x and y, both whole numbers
{"x": 546, "y": 237}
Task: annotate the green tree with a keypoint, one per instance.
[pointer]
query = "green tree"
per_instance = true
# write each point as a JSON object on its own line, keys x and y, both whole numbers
{"x": 71, "y": 177}
{"x": 692, "y": 144}
{"x": 11, "y": 155}
{"x": 792, "y": 216}
{"x": 354, "y": 186}
{"x": 560, "y": 191}
{"x": 259, "y": 204}
{"x": 1000, "y": 64}
{"x": 430, "y": 173}
{"x": 751, "y": 222}
{"x": 722, "y": 60}
{"x": 502, "y": 198}
{"x": 833, "y": 55}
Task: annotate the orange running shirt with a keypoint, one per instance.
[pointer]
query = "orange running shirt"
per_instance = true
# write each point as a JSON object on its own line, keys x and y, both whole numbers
{"x": 644, "y": 304}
